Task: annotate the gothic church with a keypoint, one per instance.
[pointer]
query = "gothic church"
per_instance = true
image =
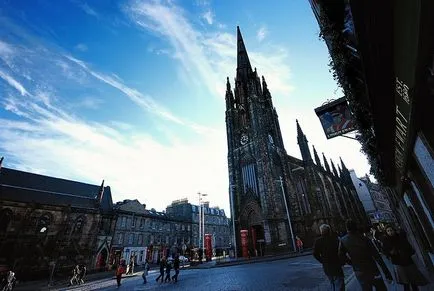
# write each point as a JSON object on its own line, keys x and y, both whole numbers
{"x": 268, "y": 187}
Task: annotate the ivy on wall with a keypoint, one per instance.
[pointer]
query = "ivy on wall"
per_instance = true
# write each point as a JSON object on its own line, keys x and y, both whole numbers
{"x": 345, "y": 67}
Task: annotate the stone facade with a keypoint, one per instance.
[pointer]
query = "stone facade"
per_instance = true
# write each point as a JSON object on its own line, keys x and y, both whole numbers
{"x": 47, "y": 225}
{"x": 263, "y": 177}
{"x": 216, "y": 222}
{"x": 383, "y": 211}
{"x": 141, "y": 233}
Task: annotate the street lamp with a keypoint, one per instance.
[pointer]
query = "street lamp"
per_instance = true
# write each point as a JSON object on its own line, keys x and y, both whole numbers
{"x": 287, "y": 212}
{"x": 201, "y": 220}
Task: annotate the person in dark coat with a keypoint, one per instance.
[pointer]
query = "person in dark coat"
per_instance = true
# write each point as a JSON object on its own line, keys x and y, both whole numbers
{"x": 363, "y": 255}
{"x": 200, "y": 255}
{"x": 162, "y": 266}
{"x": 325, "y": 250}
{"x": 176, "y": 264}
{"x": 399, "y": 251}
{"x": 168, "y": 269}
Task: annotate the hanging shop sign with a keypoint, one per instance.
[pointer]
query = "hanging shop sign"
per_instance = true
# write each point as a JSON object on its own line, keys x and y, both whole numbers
{"x": 336, "y": 118}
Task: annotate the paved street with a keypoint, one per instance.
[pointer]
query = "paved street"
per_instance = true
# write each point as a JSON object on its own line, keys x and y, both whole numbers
{"x": 301, "y": 273}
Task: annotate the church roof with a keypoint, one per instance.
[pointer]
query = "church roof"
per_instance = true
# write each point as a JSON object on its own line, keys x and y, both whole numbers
{"x": 28, "y": 187}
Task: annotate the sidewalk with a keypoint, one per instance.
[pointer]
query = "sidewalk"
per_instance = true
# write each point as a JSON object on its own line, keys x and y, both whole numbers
{"x": 352, "y": 284}
{"x": 240, "y": 261}
{"x": 60, "y": 283}
{"x": 42, "y": 285}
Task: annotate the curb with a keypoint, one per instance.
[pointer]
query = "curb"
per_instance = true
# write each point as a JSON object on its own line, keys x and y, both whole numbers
{"x": 254, "y": 261}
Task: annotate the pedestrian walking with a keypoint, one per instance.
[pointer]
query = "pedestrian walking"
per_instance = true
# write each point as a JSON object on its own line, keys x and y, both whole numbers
{"x": 74, "y": 278}
{"x": 130, "y": 268}
{"x": 121, "y": 269}
{"x": 168, "y": 269}
{"x": 399, "y": 251}
{"x": 299, "y": 244}
{"x": 162, "y": 266}
{"x": 176, "y": 264}
{"x": 200, "y": 255}
{"x": 145, "y": 271}
{"x": 325, "y": 250}
{"x": 81, "y": 273}
{"x": 362, "y": 255}
{"x": 9, "y": 281}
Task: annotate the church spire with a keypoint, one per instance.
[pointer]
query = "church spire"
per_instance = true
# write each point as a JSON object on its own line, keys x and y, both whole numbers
{"x": 326, "y": 163}
{"x": 344, "y": 168}
{"x": 243, "y": 64}
{"x": 315, "y": 155}
{"x": 302, "y": 144}
{"x": 345, "y": 171}
{"x": 335, "y": 172}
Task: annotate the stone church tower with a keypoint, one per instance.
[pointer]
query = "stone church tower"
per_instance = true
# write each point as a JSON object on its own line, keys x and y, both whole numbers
{"x": 265, "y": 183}
{"x": 257, "y": 159}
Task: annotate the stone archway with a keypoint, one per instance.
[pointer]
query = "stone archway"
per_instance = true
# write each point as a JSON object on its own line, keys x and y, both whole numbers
{"x": 102, "y": 259}
{"x": 251, "y": 220}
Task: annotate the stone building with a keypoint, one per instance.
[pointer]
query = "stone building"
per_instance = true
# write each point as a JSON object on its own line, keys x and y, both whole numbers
{"x": 382, "y": 57}
{"x": 216, "y": 223}
{"x": 147, "y": 234}
{"x": 266, "y": 183}
{"x": 374, "y": 198}
{"x": 47, "y": 224}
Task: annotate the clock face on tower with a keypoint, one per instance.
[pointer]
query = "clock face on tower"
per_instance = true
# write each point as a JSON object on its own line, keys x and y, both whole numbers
{"x": 244, "y": 139}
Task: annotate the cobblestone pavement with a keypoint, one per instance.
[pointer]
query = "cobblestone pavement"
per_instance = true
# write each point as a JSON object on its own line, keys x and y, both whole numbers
{"x": 301, "y": 273}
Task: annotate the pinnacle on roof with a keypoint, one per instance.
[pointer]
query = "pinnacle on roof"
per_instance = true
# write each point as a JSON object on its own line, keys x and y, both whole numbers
{"x": 316, "y": 157}
{"x": 326, "y": 163}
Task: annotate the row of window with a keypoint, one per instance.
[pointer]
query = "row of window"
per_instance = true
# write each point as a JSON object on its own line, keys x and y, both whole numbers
{"x": 41, "y": 223}
{"x": 140, "y": 239}
{"x": 212, "y": 229}
{"x": 212, "y": 219}
{"x": 208, "y": 210}
{"x": 142, "y": 223}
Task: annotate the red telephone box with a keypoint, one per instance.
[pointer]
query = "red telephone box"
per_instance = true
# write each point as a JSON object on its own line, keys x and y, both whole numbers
{"x": 245, "y": 242}
{"x": 208, "y": 247}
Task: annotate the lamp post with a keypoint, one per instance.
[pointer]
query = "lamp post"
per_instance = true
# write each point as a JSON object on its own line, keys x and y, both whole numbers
{"x": 201, "y": 220}
{"x": 287, "y": 213}
{"x": 231, "y": 187}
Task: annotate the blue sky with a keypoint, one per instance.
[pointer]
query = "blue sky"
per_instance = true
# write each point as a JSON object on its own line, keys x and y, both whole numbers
{"x": 133, "y": 91}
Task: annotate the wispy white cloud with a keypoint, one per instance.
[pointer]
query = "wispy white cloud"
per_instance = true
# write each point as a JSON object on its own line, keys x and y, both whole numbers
{"x": 210, "y": 56}
{"x": 81, "y": 47}
{"x": 140, "y": 99}
{"x": 75, "y": 146}
{"x": 208, "y": 16}
{"x": 14, "y": 83}
{"x": 89, "y": 10}
{"x": 89, "y": 102}
{"x": 134, "y": 165}
{"x": 5, "y": 48}
{"x": 203, "y": 3}
{"x": 262, "y": 33}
